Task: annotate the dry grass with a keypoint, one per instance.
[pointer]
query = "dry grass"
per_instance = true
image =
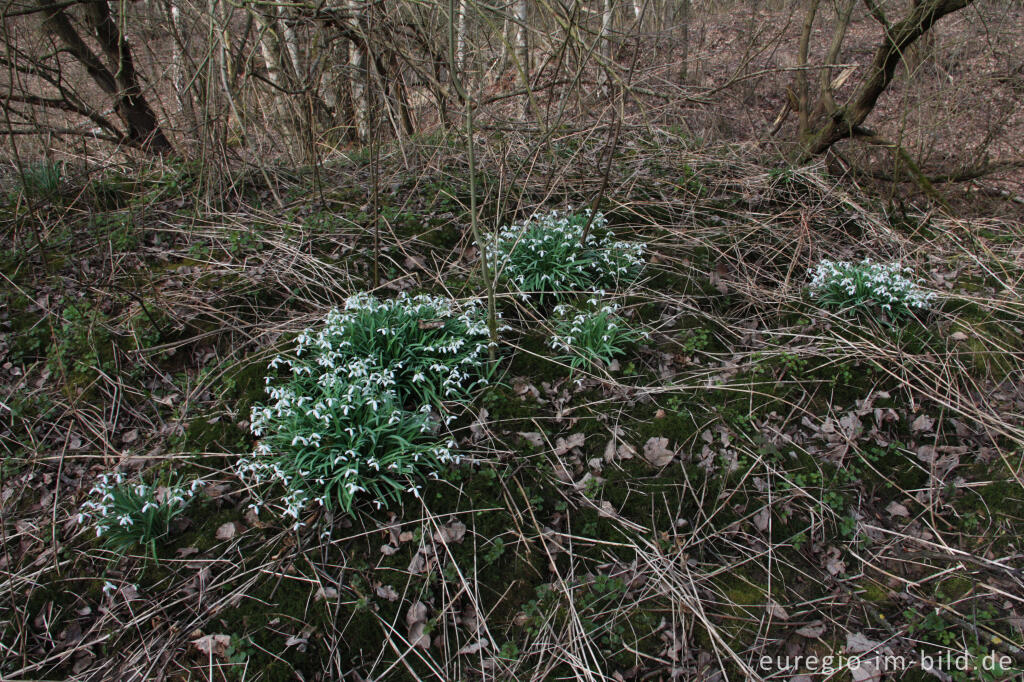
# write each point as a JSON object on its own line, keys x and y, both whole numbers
{"x": 692, "y": 571}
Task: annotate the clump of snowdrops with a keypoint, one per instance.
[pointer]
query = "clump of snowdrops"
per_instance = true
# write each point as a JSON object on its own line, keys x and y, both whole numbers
{"x": 554, "y": 254}
{"x": 868, "y": 288}
{"x": 355, "y": 408}
{"x": 594, "y": 337}
{"x": 126, "y": 515}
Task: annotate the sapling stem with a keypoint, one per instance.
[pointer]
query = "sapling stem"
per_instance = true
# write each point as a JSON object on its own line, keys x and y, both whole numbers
{"x": 492, "y": 316}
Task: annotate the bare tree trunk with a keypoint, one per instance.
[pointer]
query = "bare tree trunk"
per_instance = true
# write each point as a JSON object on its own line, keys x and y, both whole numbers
{"x": 802, "y": 103}
{"x": 919, "y": 53}
{"x": 291, "y": 45}
{"x": 179, "y": 71}
{"x": 134, "y": 111}
{"x": 826, "y": 102}
{"x": 606, "y": 28}
{"x": 683, "y": 18}
{"x": 522, "y": 42}
{"x": 460, "y": 38}
{"x": 846, "y": 121}
{"x": 270, "y": 48}
{"x": 607, "y": 19}
{"x": 505, "y": 41}
{"x": 522, "y": 45}
{"x": 358, "y": 74}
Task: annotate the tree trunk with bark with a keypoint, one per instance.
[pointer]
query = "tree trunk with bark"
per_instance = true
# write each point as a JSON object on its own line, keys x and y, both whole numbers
{"x": 683, "y": 19}
{"x": 141, "y": 126}
{"x": 846, "y": 121}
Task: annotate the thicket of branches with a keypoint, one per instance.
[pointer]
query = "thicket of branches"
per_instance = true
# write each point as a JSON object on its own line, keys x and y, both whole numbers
{"x": 294, "y": 81}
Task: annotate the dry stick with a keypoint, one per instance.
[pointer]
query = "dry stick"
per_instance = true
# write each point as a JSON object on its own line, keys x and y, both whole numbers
{"x": 915, "y": 171}
{"x": 492, "y": 319}
{"x": 375, "y": 172}
{"x": 826, "y": 100}
{"x": 611, "y": 152}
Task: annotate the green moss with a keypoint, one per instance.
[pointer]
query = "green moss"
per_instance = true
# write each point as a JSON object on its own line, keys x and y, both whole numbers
{"x": 206, "y": 517}
{"x": 289, "y": 603}
{"x": 245, "y": 383}
{"x": 746, "y": 599}
{"x": 652, "y": 497}
{"x": 30, "y": 333}
{"x": 954, "y": 587}
{"x": 873, "y": 592}
{"x": 1003, "y": 495}
{"x": 241, "y": 385}
{"x": 532, "y": 360}
{"x": 505, "y": 408}
{"x": 991, "y": 343}
{"x": 204, "y": 436}
{"x": 112, "y": 191}
{"x": 472, "y": 499}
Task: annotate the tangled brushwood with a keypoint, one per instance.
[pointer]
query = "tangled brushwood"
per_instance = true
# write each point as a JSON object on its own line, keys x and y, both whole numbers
{"x": 556, "y": 254}
{"x": 353, "y": 411}
{"x": 127, "y": 515}
{"x": 592, "y": 338}
{"x": 868, "y": 288}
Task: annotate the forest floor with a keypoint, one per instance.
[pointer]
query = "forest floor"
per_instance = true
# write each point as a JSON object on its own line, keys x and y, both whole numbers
{"x": 762, "y": 488}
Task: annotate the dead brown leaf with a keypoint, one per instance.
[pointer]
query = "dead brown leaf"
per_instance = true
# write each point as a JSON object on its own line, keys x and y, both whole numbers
{"x": 657, "y": 451}
{"x": 416, "y": 620}
{"x": 896, "y": 509}
{"x": 228, "y": 530}
{"x": 533, "y": 438}
{"x": 212, "y": 645}
{"x": 564, "y": 445}
{"x": 922, "y": 423}
{"x": 386, "y": 592}
{"x": 812, "y": 630}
